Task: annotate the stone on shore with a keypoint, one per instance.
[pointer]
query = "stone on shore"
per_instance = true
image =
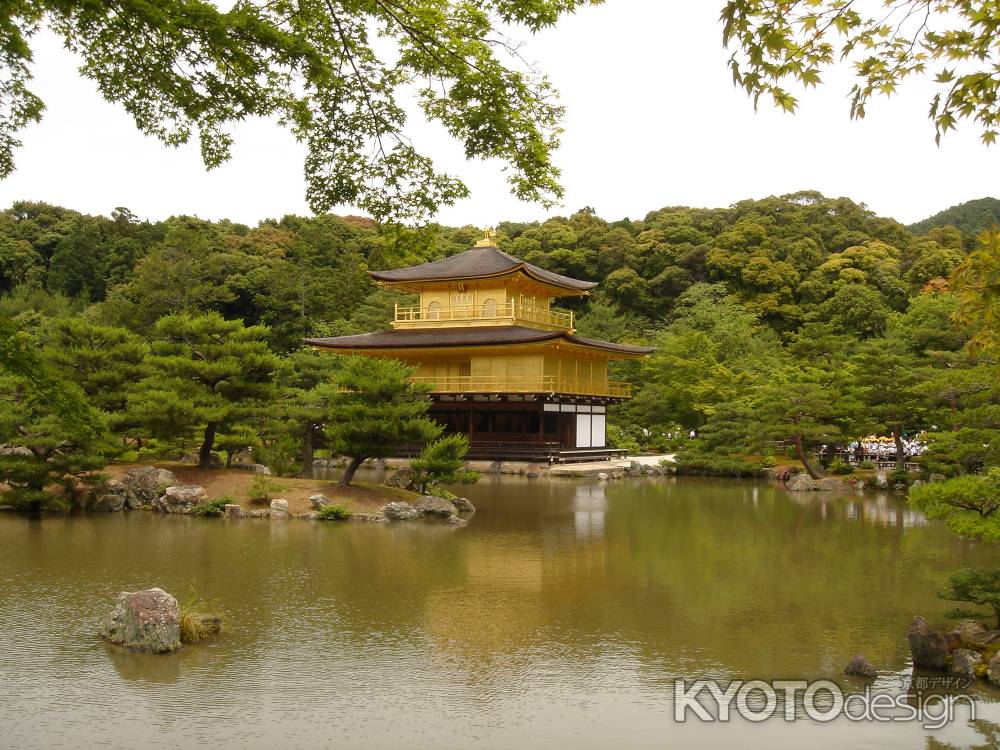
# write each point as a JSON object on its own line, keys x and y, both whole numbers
{"x": 318, "y": 502}
{"x": 144, "y": 621}
{"x": 179, "y": 498}
{"x": 143, "y": 485}
{"x": 800, "y": 483}
{"x": 602, "y": 476}
{"x": 964, "y": 661}
{"x": 232, "y": 510}
{"x": 882, "y": 480}
{"x": 254, "y": 468}
{"x": 930, "y": 649}
{"x": 859, "y": 666}
{"x": 111, "y": 498}
{"x": 399, "y": 511}
{"x": 534, "y": 471}
{"x": 431, "y": 505}
{"x": 993, "y": 670}
{"x": 279, "y": 508}
{"x": 401, "y": 478}
{"x": 831, "y": 484}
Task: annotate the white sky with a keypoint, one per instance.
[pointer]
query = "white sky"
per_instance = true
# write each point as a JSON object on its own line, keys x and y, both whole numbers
{"x": 653, "y": 120}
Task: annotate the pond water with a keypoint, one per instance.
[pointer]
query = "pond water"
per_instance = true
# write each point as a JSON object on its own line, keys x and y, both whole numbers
{"x": 559, "y": 617}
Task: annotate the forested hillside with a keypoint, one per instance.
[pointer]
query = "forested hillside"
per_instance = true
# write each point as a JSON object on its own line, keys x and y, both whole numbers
{"x": 970, "y": 218}
{"x": 798, "y": 318}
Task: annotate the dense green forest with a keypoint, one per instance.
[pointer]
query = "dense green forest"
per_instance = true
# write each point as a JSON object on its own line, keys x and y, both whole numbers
{"x": 797, "y": 320}
{"x": 970, "y": 218}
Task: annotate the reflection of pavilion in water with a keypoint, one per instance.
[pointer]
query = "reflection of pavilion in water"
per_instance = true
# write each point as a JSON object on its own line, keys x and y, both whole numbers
{"x": 589, "y": 506}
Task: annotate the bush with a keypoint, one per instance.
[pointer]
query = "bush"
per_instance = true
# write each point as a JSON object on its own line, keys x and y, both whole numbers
{"x": 768, "y": 462}
{"x": 867, "y": 465}
{"x": 333, "y": 513}
{"x": 443, "y": 461}
{"x": 900, "y": 476}
{"x": 619, "y": 437}
{"x": 700, "y": 464}
{"x": 212, "y": 507}
{"x": 840, "y": 467}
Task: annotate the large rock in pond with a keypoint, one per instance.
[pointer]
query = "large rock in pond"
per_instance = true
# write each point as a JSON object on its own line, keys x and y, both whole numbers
{"x": 145, "y": 484}
{"x": 179, "y": 498}
{"x": 463, "y": 506}
{"x": 430, "y": 505}
{"x": 930, "y": 648}
{"x": 279, "y": 508}
{"x": 399, "y": 511}
{"x": 401, "y": 478}
{"x": 800, "y": 483}
{"x": 964, "y": 662}
{"x": 110, "y": 498}
{"x": 144, "y": 621}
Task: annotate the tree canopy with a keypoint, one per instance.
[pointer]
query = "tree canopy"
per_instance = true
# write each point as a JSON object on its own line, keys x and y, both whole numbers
{"x": 335, "y": 74}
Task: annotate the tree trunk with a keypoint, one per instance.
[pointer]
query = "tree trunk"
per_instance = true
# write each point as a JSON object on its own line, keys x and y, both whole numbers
{"x": 351, "y": 468}
{"x": 900, "y": 450}
{"x": 205, "y": 452}
{"x": 308, "y": 449}
{"x": 229, "y": 459}
{"x": 805, "y": 461}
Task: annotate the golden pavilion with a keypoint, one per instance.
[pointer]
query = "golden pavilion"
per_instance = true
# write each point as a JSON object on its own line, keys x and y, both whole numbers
{"x": 506, "y": 368}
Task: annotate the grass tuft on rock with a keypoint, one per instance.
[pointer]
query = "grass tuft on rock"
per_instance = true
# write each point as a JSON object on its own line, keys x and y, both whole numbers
{"x": 197, "y": 626}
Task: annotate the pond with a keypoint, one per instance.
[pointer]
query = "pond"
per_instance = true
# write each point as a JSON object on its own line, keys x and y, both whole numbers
{"x": 560, "y": 617}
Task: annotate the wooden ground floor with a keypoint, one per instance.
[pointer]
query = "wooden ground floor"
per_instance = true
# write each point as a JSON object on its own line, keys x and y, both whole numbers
{"x": 514, "y": 427}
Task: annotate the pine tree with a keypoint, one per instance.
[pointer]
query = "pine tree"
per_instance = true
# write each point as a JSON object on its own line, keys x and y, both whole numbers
{"x": 373, "y": 408}
{"x": 208, "y": 372}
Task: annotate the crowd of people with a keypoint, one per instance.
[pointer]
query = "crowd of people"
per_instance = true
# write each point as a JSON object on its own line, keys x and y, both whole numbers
{"x": 883, "y": 447}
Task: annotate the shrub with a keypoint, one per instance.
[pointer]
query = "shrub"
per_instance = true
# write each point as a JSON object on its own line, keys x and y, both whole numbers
{"x": 866, "y": 465}
{"x": 768, "y": 462}
{"x": 263, "y": 489}
{"x": 443, "y": 461}
{"x": 212, "y": 507}
{"x": 619, "y": 437}
{"x": 333, "y": 513}
{"x": 841, "y": 467}
{"x": 694, "y": 463}
{"x": 900, "y": 476}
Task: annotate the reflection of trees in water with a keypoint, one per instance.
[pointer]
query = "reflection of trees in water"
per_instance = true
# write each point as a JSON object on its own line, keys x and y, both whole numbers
{"x": 684, "y": 577}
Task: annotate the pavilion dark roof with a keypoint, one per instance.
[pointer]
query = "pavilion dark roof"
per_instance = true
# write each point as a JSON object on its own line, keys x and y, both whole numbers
{"x": 472, "y": 336}
{"x": 479, "y": 262}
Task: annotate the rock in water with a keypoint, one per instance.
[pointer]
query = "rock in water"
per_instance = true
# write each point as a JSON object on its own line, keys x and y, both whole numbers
{"x": 232, "y": 510}
{"x": 145, "y": 484}
{"x": 431, "y": 505}
{"x": 800, "y": 483}
{"x": 930, "y": 649}
{"x": 881, "y": 480}
{"x": 279, "y": 508}
{"x": 831, "y": 484}
{"x": 111, "y": 498}
{"x": 179, "y": 498}
{"x": 399, "y": 511}
{"x": 319, "y": 502}
{"x": 860, "y": 667}
{"x": 462, "y": 505}
{"x": 144, "y": 621}
{"x": 964, "y": 661}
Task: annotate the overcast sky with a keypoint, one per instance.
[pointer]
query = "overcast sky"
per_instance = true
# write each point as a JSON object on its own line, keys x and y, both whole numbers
{"x": 652, "y": 120}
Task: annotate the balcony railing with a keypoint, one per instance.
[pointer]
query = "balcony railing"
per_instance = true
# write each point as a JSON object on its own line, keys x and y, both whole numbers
{"x": 510, "y": 311}
{"x": 533, "y": 384}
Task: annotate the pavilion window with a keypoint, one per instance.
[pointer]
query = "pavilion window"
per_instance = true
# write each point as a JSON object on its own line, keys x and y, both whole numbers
{"x": 489, "y": 308}
{"x": 434, "y": 311}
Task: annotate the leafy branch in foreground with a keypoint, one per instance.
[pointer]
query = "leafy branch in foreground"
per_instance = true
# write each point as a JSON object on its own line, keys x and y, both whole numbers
{"x": 332, "y": 72}
{"x": 969, "y": 504}
{"x": 955, "y": 42}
